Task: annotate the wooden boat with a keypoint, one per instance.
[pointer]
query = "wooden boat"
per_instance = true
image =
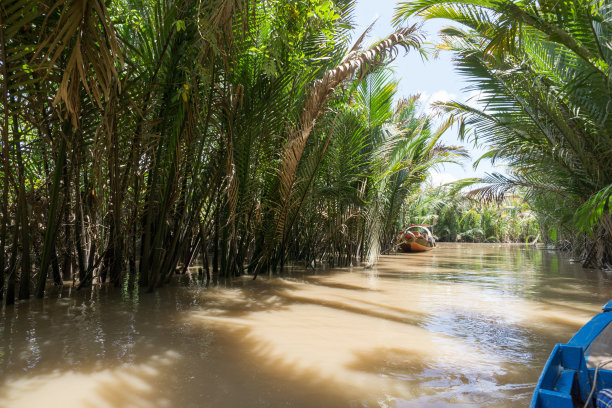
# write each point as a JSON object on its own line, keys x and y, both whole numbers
{"x": 577, "y": 371}
{"x": 416, "y": 238}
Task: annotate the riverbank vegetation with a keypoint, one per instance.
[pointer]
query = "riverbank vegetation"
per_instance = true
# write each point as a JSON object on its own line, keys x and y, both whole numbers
{"x": 455, "y": 216}
{"x": 138, "y": 135}
{"x": 542, "y": 73}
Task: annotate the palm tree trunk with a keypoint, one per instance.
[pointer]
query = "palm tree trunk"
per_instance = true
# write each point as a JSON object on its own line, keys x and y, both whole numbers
{"x": 6, "y": 160}
{"x": 145, "y": 241}
{"x": 79, "y": 232}
{"x": 116, "y": 239}
{"x": 55, "y": 269}
{"x": 51, "y": 228}
{"x": 22, "y": 213}
{"x": 10, "y": 285}
{"x": 66, "y": 200}
{"x": 215, "y": 261}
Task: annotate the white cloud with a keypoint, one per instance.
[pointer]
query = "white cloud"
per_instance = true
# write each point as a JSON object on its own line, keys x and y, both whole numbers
{"x": 441, "y": 95}
{"x": 437, "y": 179}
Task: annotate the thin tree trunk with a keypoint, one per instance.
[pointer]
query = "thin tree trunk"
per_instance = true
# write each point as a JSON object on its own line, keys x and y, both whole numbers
{"x": 224, "y": 249}
{"x": 10, "y": 286}
{"x": 204, "y": 244}
{"x": 191, "y": 255}
{"x": 135, "y": 217}
{"x": 92, "y": 257}
{"x": 51, "y": 228}
{"x": 79, "y": 221}
{"x": 215, "y": 261}
{"x": 116, "y": 262}
{"x": 6, "y": 160}
{"x": 22, "y": 213}
{"x": 55, "y": 269}
{"x": 145, "y": 245}
{"x": 67, "y": 253}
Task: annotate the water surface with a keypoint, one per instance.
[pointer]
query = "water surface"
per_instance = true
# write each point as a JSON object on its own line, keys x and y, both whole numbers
{"x": 460, "y": 326}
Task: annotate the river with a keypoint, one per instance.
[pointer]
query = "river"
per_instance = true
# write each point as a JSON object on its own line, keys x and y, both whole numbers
{"x": 464, "y": 325}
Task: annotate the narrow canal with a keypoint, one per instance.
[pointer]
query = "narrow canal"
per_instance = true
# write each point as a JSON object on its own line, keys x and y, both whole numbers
{"x": 461, "y": 326}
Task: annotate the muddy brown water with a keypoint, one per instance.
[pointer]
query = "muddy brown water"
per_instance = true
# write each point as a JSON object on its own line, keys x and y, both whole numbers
{"x": 460, "y": 326}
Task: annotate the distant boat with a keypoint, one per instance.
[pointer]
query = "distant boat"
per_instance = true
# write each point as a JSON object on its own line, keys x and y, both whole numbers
{"x": 416, "y": 238}
{"x": 577, "y": 372}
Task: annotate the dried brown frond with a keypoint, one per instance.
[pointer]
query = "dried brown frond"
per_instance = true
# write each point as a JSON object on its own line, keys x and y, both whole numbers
{"x": 321, "y": 92}
{"x": 83, "y": 45}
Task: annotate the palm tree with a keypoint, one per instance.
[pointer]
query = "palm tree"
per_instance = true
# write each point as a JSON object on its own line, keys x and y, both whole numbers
{"x": 137, "y": 134}
{"x": 408, "y": 148}
{"x": 542, "y": 72}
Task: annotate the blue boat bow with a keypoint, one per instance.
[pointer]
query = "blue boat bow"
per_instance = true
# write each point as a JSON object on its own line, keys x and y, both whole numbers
{"x": 568, "y": 378}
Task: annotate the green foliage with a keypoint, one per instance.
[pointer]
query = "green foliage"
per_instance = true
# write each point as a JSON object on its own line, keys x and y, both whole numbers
{"x": 459, "y": 217}
{"x": 143, "y": 134}
{"x": 542, "y": 71}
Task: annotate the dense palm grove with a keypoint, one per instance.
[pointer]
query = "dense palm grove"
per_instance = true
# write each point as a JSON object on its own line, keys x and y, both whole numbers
{"x": 458, "y": 217}
{"x": 542, "y": 70}
{"x": 140, "y": 135}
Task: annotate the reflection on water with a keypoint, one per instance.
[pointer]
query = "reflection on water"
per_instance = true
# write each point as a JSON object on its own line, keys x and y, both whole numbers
{"x": 460, "y": 326}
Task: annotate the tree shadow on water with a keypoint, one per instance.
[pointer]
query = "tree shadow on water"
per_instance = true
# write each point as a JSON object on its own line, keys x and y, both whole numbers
{"x": 185, "y": 347}
{"x": 279, "y": 294}
{"x": 107, "y": 352}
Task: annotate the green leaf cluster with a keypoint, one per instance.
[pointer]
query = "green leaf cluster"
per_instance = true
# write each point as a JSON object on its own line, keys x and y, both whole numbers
{"x": 542, "y": 73}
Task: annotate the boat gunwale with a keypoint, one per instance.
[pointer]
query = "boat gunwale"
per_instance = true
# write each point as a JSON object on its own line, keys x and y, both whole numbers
{"x": 583, "y": 339}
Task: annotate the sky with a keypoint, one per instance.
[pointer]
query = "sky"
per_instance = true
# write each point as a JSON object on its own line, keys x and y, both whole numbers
{"x": 435, "y": 79}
